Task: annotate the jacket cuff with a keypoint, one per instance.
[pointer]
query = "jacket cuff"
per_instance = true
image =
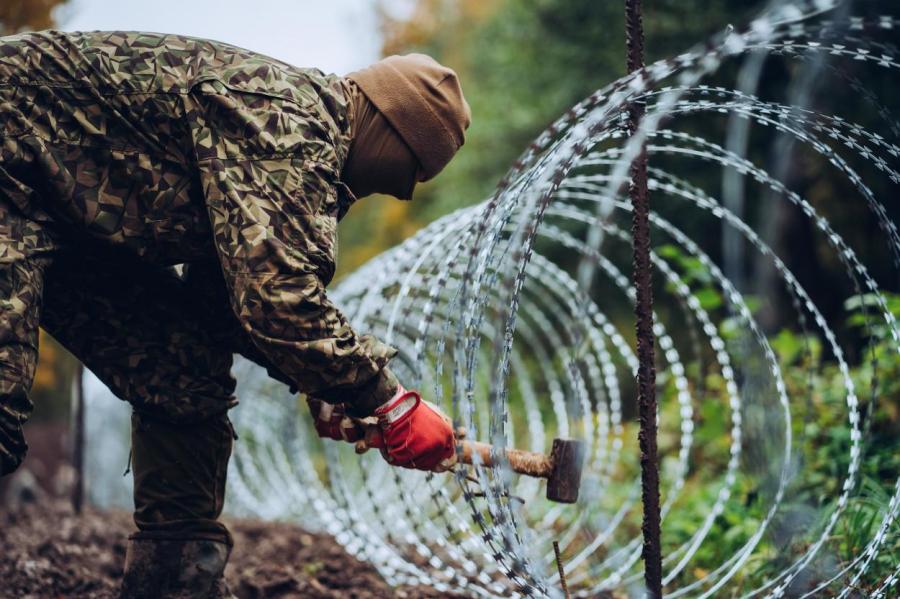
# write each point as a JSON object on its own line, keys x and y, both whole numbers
{"x": 375, "y": 393}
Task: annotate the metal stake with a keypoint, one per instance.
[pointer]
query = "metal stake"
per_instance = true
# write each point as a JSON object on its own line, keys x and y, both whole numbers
{"x": 640, "y": 230}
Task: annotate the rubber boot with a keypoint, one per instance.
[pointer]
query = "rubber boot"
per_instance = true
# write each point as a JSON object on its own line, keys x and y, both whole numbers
{"x": 171, "y": 569}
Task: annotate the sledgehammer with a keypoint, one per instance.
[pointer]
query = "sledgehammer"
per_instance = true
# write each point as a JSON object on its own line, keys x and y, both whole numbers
{"x": 562, "y": 468}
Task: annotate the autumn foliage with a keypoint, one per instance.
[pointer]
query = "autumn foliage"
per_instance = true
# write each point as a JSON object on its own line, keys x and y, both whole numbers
{"x": 26, "y": 15}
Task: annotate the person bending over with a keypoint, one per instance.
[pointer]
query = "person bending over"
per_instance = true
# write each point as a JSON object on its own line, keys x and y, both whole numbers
{"x": 123, "y": 155}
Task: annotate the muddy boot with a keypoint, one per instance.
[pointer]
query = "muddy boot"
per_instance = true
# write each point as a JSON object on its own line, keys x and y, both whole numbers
{"x": 157, "y": 569}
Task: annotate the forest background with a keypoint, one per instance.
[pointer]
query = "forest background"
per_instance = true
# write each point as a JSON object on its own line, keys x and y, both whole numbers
{"x": 523, "y": 63}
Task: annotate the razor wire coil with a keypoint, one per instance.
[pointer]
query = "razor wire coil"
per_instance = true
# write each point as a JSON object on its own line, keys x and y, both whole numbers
{"x": 506, "y": 315}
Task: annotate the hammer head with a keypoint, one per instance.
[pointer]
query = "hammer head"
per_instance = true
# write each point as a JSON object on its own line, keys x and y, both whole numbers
{"x": 564, "y": 481}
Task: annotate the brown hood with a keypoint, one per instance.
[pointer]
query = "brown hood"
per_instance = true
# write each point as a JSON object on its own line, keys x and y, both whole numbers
{"x": 423, "y": 102}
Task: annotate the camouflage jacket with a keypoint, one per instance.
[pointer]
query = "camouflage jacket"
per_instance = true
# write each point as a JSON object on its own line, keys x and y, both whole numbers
{"x": 181, "y": 149}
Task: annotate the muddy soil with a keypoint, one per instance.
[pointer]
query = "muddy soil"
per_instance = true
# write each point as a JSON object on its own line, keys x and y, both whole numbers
{"x": 48, "y": 552}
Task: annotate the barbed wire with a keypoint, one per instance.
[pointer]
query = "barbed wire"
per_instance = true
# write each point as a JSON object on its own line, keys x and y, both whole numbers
{"x": 507, "y": 313}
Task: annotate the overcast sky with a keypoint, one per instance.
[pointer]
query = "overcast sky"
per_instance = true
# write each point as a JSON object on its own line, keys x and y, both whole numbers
{"x": 336, "y": 36}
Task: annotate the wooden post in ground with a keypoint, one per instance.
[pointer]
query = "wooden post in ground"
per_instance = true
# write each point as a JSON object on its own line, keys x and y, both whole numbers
{"x": 78, "y": 423}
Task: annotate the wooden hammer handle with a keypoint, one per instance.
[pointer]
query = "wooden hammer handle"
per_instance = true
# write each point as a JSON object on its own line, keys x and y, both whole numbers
{"x": 529, "y": 463}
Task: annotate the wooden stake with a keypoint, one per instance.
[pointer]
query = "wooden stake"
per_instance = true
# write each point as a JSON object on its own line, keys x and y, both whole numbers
{"x": 562, "y": 572}
{"x": 78, "y": 441}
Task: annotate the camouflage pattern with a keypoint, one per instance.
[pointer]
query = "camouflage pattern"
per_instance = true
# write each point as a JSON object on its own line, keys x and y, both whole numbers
{"x": 180, "y": 473}
{"x": 24, "y": 255}
{"x": 175, "y": 570}
{"x": 122, "y": 154}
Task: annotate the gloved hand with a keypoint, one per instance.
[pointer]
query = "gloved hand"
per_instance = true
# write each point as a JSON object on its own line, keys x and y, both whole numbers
{"x": 332, "y": 422}
{"x": 413, "y": 433}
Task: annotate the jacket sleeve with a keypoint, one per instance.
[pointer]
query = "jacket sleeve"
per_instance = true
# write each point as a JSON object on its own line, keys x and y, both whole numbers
{"x": 275, "y": 246}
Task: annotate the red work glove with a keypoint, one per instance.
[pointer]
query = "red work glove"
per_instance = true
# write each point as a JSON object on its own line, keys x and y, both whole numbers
{"x": 332, "y": 422}
{"x": 413, "y": 433}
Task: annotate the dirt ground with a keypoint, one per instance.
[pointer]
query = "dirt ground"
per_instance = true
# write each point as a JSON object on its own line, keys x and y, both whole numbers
{"x": 48, "y": 552}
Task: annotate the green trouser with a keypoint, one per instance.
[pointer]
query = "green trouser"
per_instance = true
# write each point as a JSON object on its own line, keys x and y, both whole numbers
{"x": 179, "y": 478}
{"x": 160, "y": 341}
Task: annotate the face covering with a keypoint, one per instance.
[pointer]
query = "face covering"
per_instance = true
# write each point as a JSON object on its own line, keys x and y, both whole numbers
{"x": 379, "y": 161}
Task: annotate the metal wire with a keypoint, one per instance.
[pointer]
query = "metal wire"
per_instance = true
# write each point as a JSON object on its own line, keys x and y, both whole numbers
{"x": 507, "y": 313}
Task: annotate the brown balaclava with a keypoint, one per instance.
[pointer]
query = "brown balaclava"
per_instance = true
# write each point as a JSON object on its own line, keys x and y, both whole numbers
{"x": 379, "y": 161}
{"x": 408, "y": 122}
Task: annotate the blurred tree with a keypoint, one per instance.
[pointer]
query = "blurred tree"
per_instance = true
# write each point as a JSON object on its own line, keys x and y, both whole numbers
{"x": 523, "y": 63}
{"x": 53, "y": 379}
{"x": 26, "y": 15}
